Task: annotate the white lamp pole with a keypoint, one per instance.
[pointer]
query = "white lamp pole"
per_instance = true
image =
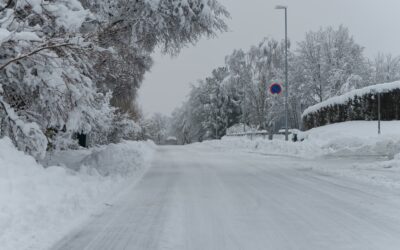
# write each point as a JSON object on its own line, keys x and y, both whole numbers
{"x": 280, "y": 7}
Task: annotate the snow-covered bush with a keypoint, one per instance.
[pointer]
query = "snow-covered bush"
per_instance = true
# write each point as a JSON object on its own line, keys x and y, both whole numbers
{"x": 361, "y": 104}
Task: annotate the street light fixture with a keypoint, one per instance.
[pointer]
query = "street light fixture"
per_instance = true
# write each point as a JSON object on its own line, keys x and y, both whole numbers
{"x": 281, "y": 7}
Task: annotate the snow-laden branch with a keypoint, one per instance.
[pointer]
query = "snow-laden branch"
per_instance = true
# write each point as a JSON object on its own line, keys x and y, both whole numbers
{"x": 44, "y": 47}
{"x": 7, "y": 5}
{"x": 27, "y": 136}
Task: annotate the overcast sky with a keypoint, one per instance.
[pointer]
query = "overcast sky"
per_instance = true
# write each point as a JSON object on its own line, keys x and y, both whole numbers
{"x": 374, "y": 24}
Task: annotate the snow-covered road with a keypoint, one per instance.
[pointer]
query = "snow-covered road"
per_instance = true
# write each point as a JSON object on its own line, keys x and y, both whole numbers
{"x": 196, "y": 197}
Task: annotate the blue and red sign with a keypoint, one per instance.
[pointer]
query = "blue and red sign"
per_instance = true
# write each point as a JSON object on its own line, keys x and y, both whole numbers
{"x": 275, "y": 89}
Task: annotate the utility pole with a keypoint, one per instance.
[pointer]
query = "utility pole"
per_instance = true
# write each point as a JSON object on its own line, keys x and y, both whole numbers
{"x": 280, "y": 7}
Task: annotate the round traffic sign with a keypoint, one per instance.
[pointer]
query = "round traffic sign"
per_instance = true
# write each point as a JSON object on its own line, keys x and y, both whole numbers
{"x": 275, "y": 89}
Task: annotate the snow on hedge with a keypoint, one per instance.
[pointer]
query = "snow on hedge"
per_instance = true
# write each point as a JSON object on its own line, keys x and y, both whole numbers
{"x": 40, "y": 205}
{"x": 337, "y": 100}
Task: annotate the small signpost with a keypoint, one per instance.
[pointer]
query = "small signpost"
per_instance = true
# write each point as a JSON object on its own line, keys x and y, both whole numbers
{"x": 275, "y": 89}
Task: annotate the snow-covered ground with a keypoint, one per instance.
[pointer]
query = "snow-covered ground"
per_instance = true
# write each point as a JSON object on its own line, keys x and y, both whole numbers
{"x": 195, "y": 198}
{"x": 362, "y": 153}
{"x": 39, "y": 205}
{"x": 336, "y": 189}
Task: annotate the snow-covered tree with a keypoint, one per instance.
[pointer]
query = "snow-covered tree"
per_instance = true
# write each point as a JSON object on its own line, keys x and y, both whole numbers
{"x": 184, "y": 126}
{"x": 65, "y": 61}
{"x": 327, "y": 59}
{"x": 135, "y": 28}
{"x": 156, "y": 127}
{"x": 266, "y": 66}
{"x": 385, "y": 68}
{"x": 236, "y": 93}
{"x": 45, "y": 73}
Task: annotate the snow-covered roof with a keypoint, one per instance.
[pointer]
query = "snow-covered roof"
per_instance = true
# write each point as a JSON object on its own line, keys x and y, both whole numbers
{"x": 337, "y": 100}
{"x": 240, "y": 128}
{"x": 291, "y": 130}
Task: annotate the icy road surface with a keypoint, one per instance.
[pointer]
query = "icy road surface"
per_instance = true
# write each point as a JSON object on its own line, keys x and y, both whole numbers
{"x": 198, "y": 198}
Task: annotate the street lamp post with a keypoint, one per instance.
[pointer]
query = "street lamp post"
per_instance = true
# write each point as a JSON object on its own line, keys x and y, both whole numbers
{"x": 280, "y": 7}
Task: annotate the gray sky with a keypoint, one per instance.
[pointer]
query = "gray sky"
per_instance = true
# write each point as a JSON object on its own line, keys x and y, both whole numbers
{"x": 374, "y": 24}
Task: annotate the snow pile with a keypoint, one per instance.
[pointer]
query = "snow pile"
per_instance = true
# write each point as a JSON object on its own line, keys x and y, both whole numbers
{"x": 355, "y": 138}
{"x": 337, "y": 100}
{"x": 111, "y": 160}
{"x": 265, "y": 146}
{"x": 39, "y": 205}
{"x": 351, "y": 149}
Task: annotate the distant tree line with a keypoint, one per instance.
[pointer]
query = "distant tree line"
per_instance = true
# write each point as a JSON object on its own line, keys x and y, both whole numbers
{"x": 327, "y": 63}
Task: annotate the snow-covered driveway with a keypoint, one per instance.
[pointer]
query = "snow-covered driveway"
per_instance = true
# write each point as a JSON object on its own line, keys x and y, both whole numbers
{"x": 198, "y": 198}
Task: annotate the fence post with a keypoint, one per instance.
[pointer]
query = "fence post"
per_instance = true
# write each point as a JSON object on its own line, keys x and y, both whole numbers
{"x": 379, "y": 113}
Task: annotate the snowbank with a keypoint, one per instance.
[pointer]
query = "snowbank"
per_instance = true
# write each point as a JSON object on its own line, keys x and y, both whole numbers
{"x": 39, "y": 205}
{"x": 122, "y": 159}
{"x": 337, "y": 100}
{"x": 350, "y": 149}
{"x": 355, "y": 138}
{"x": 263, "y": 145}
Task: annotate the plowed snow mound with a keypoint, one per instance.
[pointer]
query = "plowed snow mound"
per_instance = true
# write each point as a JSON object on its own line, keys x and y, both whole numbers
{"x": 356, "y": 138}
{"x": 40, "y": 205}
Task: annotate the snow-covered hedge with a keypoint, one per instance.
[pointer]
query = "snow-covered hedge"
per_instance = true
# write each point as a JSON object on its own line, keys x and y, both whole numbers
{"x": 40, "y": 205}
{"x": 360, "y": 104}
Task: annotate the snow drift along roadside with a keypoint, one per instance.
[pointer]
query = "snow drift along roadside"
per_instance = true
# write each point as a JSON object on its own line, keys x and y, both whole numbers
{"x": 351, "y": 149}
{"x": 341, "y": 139}
{"x": 356, "y": 138}
{"x": 40, "y": 205}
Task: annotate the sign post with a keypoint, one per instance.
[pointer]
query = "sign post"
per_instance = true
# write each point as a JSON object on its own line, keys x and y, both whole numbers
{"x": 274, "y": 89}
